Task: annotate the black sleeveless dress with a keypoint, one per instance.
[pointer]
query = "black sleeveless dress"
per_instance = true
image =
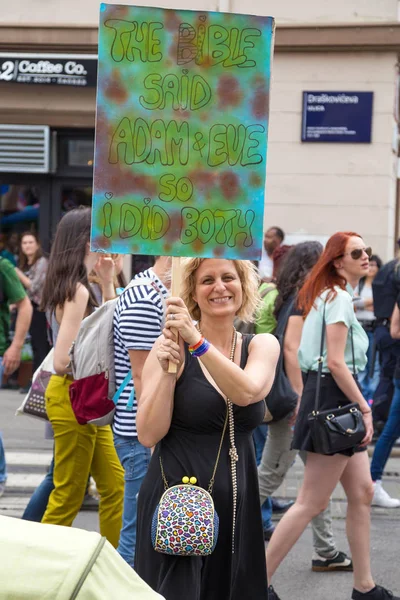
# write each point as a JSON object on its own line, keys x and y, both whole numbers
{"x": 190, "y": 448}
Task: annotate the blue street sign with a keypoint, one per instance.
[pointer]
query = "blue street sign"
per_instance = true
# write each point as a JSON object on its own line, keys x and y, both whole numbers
{"x": 337, "y": 117}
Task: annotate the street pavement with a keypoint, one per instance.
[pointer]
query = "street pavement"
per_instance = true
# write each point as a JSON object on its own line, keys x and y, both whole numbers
{"x": 29, "y": 454}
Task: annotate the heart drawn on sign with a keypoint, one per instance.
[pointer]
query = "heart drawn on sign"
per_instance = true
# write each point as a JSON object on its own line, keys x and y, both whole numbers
{"x": 202, "y": 18}
{"x": 147, "y": 200}
{"x": 109, "y": 195}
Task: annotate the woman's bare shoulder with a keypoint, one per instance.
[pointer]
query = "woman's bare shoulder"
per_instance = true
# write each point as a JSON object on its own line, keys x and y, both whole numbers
{"x": 265, "y": 341}
{"x": 81, "y": 293}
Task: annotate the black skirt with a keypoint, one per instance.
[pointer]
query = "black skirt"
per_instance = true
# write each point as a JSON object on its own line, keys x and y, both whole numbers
{"x": 331, "y": 396}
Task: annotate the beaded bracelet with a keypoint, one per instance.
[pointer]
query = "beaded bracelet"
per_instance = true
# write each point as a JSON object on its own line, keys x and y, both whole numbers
{"x": 200, "y": 350}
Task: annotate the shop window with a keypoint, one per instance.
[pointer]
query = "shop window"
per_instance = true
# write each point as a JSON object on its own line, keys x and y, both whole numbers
{"x": 80, "y": 153}
{"x": 75, "y": 153}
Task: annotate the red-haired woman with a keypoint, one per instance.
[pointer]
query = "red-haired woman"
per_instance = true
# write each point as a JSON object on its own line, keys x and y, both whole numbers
{"x": 328, "y": 291}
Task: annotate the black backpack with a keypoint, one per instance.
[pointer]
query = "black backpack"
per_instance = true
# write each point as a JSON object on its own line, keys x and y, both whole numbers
{"x": 386, "y": 289}
{"x": 282, "y": 399}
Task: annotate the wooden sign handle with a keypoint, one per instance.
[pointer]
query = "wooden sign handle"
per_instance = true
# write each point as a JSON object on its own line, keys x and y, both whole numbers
{"x": 175, "y": 291}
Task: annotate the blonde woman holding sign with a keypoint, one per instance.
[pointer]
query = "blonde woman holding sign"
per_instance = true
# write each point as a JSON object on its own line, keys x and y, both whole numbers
{"x": 200, "y": 436}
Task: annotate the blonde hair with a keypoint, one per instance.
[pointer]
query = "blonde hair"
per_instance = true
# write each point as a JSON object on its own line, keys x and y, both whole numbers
{"x": 249, "y": 278}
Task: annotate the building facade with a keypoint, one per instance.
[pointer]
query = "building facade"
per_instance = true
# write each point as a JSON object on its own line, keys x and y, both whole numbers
{"x": 314, "y": 188}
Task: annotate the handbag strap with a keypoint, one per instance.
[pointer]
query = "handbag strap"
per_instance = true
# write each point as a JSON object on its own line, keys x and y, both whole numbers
{"x": 211, "y": 484}
{"x": 320, "y": 362}
{"x": 352, "y": 349}
{"x": 234, "y": 458}
{"x": 228, "y": 419}
{"x": 121, "y": 388}
{"x": 321, "y": 359}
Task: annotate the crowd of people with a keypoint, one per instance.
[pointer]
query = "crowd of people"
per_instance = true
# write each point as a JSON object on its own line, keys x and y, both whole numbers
{"x": 211, "y": 384}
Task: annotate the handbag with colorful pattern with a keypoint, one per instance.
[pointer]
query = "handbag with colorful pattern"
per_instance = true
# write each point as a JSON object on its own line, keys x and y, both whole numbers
{"x": 185, "y": 522}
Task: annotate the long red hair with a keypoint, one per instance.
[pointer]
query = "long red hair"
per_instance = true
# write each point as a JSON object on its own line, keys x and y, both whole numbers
{"x": 324, "y": 274}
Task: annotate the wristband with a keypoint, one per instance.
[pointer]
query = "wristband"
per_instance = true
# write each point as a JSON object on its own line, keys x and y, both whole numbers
{"x": 196, "y": 346}
{"x": 200, "y": 350}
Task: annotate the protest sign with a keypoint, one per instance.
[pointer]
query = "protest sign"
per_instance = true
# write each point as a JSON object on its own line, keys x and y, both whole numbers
{"x": 181, "y": 132}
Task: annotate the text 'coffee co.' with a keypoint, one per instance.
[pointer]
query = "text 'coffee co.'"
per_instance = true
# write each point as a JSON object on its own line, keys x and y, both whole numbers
{"x": 47, "y": 107}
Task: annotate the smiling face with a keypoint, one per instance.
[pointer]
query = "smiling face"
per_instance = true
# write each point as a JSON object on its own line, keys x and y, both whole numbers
{"x": 353, "y": 269}
{"x": 29, "y": 246}
{"x": 218, "y": 290}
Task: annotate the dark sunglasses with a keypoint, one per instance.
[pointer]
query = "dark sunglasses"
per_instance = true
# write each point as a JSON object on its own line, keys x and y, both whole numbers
{"x": 356, "y": 254}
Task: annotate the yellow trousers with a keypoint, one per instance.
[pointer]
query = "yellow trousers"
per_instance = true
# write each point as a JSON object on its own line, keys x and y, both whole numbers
{"x": 78, "y": 451}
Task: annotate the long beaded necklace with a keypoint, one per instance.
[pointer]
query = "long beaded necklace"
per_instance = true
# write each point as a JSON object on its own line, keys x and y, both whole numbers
{"x": 232, "y": 451}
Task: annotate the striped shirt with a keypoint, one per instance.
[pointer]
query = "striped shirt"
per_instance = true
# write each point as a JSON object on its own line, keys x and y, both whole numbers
{"x": 138, "y": 320}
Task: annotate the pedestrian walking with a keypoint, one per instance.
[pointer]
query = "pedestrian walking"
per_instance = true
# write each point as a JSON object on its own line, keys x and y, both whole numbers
{"x": 390, "y": 433}
{"x": 364, "y": 306}
{"x": 31, "y": 270}
{"x": 11, "y": 292}
{"x": 278, "y": 456}
{"x": 185, "y": 417}
{"x": 326, "y": 300}
{"x": 270, "y": 505}
{"x": 386, "y": 291}
{"x": 260, "y": 433}
{"x": 138, "y": 321}
{"x": 37, "y": 504}
{"x": 78, "y": 449}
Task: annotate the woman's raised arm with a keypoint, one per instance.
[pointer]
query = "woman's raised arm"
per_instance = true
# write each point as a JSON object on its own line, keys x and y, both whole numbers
{"x": 156, "y": 402}
{"x": 251, "y": 384}
{"x": 242, "y": 386}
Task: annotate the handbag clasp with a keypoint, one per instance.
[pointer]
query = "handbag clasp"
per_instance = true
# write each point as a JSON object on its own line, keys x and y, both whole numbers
{"x": 330, "y": 417}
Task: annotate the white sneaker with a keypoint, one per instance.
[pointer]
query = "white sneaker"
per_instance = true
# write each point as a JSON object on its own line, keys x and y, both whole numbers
{"x": 382, "y": 498}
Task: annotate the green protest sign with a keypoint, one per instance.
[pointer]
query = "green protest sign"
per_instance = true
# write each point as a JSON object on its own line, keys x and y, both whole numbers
{"x": 181, "y": 132}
